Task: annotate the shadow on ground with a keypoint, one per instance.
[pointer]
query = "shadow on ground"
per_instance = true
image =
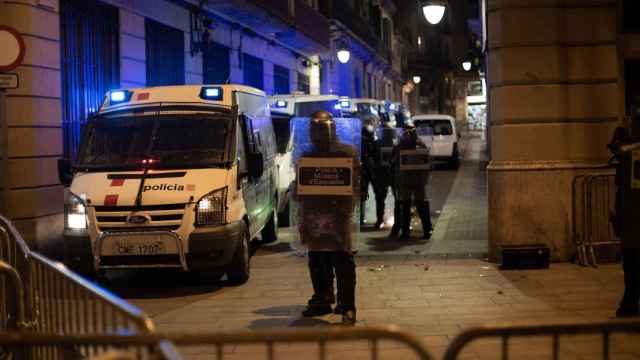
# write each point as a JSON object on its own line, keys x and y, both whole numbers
{"x": 386, "y": 244}
{"x": 164, "y": 283}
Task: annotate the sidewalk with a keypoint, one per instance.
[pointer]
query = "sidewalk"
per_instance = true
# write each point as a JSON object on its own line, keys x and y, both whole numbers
{"x": 433, "y": 299}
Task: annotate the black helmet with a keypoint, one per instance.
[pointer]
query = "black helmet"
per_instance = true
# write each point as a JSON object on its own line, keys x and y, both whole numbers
{"x": 409, "y": 136}
{"x": 322, "y": 130}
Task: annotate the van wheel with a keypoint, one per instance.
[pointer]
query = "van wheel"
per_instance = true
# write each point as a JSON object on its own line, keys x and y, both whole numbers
{"x": 239, "y": 269}
{"x": 270, "y": 231}
{"x": 283, "y": 217}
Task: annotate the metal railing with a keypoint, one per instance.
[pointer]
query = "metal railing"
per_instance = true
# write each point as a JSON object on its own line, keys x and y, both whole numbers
{"x": 216, "y": 344}
{"x": 593, "y": 207}
{"x": 40, "y": 296}
{"x": 555, "y": 331}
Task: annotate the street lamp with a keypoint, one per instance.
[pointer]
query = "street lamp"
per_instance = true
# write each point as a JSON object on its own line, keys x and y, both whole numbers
{"x": 417, "y": 79}
{"x": 466, "y": 65}
{"x": 433, "y": 10}
{"x": 344, "y": 55}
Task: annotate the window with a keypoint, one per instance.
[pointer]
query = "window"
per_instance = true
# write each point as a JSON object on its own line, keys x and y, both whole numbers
{"x": 357, "y": 85}
{"x": 215, "y": 64}
{"x": 280, "y": 79}
{"x": 90, "y": 61}
{"x": 253, "y": 71}
{"x": 165, "y": 54}
{"x": 303, "y": 83}
{"x": 251, "y": 105}
{"x": 630, "y": 11}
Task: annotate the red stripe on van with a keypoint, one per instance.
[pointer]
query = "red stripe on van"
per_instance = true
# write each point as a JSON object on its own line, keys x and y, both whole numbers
{"x": 111, "y": 200}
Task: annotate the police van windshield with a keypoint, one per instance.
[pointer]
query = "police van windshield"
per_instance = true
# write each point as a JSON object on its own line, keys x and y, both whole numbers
{"x": 434, "y": 127}
{"x": 306, "y": 108}
{"x": 366, "y": 109}
{"x": 166, "y": 141}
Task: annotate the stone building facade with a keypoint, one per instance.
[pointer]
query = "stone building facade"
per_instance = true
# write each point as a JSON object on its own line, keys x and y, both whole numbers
{"x": 556, "y": 85}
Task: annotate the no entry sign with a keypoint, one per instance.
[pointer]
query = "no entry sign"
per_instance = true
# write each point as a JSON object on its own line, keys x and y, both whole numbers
{"x": 13, "y": 49}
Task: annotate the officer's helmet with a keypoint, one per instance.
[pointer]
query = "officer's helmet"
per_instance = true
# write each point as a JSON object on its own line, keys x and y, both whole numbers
{"x": 322, "y": 131}
{"x": 409, "y": 136}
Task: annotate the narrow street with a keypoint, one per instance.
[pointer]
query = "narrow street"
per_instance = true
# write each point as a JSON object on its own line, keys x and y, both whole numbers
{"x": 431, "y": 288}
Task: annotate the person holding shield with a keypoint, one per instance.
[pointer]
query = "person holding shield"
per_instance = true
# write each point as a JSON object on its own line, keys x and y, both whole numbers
{"x": 327, "y": 199}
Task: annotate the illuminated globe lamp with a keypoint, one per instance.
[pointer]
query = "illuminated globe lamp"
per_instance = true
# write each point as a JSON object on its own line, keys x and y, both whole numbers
{"x": 417, "y": 79}
{"x": 433, "y": 10}
{"x": 466, "y": 65}
{"x": 344, "y": 55}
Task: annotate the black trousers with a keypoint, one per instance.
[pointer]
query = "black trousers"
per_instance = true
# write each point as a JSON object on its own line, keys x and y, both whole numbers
{"x": 322, "y": 265}
{"x": 631, "y": 267}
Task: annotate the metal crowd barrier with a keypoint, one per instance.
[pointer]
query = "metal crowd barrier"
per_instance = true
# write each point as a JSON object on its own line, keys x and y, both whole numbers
{"x": 40, "y": 296}
{"x": 593, "y": 206}
{"x": 215, "y": 345}
{"x": 555, "y": 331}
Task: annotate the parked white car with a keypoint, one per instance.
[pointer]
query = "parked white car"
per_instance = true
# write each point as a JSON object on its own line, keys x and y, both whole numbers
{"x": 439, "y": 133}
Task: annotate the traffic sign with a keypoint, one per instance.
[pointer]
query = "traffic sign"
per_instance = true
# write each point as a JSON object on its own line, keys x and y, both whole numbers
{"x": 9, "y": 81}
{"x": 12, "y": 44}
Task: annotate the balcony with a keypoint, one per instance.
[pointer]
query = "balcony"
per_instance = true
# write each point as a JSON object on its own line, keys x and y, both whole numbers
{"x": 290, "y": 21}
{"x": 362, "y": 29}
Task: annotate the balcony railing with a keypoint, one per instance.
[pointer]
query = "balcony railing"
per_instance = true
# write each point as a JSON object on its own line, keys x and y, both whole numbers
{"x": 313, "y": 24}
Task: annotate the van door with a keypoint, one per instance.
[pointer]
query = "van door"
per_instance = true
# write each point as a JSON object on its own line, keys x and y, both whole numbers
{"x": 245, "y": 143}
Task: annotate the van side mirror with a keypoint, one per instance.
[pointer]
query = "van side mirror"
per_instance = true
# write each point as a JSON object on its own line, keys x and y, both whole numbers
{"x": 256, "y": 164}
{"x": 65, "y": 172}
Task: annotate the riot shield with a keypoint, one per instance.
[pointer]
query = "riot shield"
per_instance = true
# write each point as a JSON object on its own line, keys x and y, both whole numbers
{"x": 326, "y": 200}
{"x": 387, "y": 138}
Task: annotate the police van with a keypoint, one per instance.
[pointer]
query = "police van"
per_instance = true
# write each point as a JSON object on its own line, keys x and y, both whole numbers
{"x": 283, "y": 109}
{"x": 172, "y": 176}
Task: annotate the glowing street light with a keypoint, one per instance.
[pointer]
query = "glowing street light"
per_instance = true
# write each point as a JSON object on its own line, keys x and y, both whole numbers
{"x": 417, "y": 79}
{"x": 433, "y": 11}
{"x": 344, "y": 55}
{"x": 466, "y": 65}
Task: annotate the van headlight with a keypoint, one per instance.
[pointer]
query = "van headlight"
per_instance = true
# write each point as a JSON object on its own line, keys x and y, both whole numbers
{"x": 211, "y": 209}
{"x": 75, "y": 213}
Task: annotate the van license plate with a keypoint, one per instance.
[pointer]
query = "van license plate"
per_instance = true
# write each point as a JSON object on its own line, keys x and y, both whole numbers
{"x": 129, "y": 247}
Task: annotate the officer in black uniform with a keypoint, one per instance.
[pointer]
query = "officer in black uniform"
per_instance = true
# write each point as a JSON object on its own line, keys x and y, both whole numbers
{"x": 383, "y": 172}
{"x": 326, "y": 227}
{"x": 626, "y": 222}
{"x": 370, "y": 158}
{"x": 410, "y": 187}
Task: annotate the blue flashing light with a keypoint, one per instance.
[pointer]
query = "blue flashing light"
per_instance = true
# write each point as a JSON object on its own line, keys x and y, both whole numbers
{"x": 336, "y": 106}
{"x": 345, "y": 103}
{"x": 211, "y": 93}
{"x": 119, "y": 96}
{"x": 281, "y": 104}
{"x": 392, "y": 106}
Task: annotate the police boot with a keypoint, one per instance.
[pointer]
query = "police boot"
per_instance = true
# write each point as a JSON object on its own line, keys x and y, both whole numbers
{"x": 406, "y": 220}
{"x": 425, "y": 219}
{"x": 319, "y": 302}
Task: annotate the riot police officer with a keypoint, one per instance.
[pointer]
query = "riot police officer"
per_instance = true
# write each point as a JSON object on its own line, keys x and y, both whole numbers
{"x": 383, "y": 173}
{"x": 410, "y": 187}
{"x": 626, "y": 222}
{"x": 370, "y": 158}
{"x": 325, "y": 226}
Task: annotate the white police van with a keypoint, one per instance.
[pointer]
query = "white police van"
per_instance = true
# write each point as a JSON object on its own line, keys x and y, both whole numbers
{"x": 283, "y": 109}
{"x": 173, "y": 176}
{"x": 439, "y": 133}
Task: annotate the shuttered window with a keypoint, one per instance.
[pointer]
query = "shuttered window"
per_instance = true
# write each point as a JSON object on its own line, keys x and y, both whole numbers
{"x": 280, "y": 79}
{"x": 252, "y": 69}
{"x": 215, "y": 64}
{"x": 303, "y": 83}
{"x": 165, "y": 54}
{"x": 90, "y": 63}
